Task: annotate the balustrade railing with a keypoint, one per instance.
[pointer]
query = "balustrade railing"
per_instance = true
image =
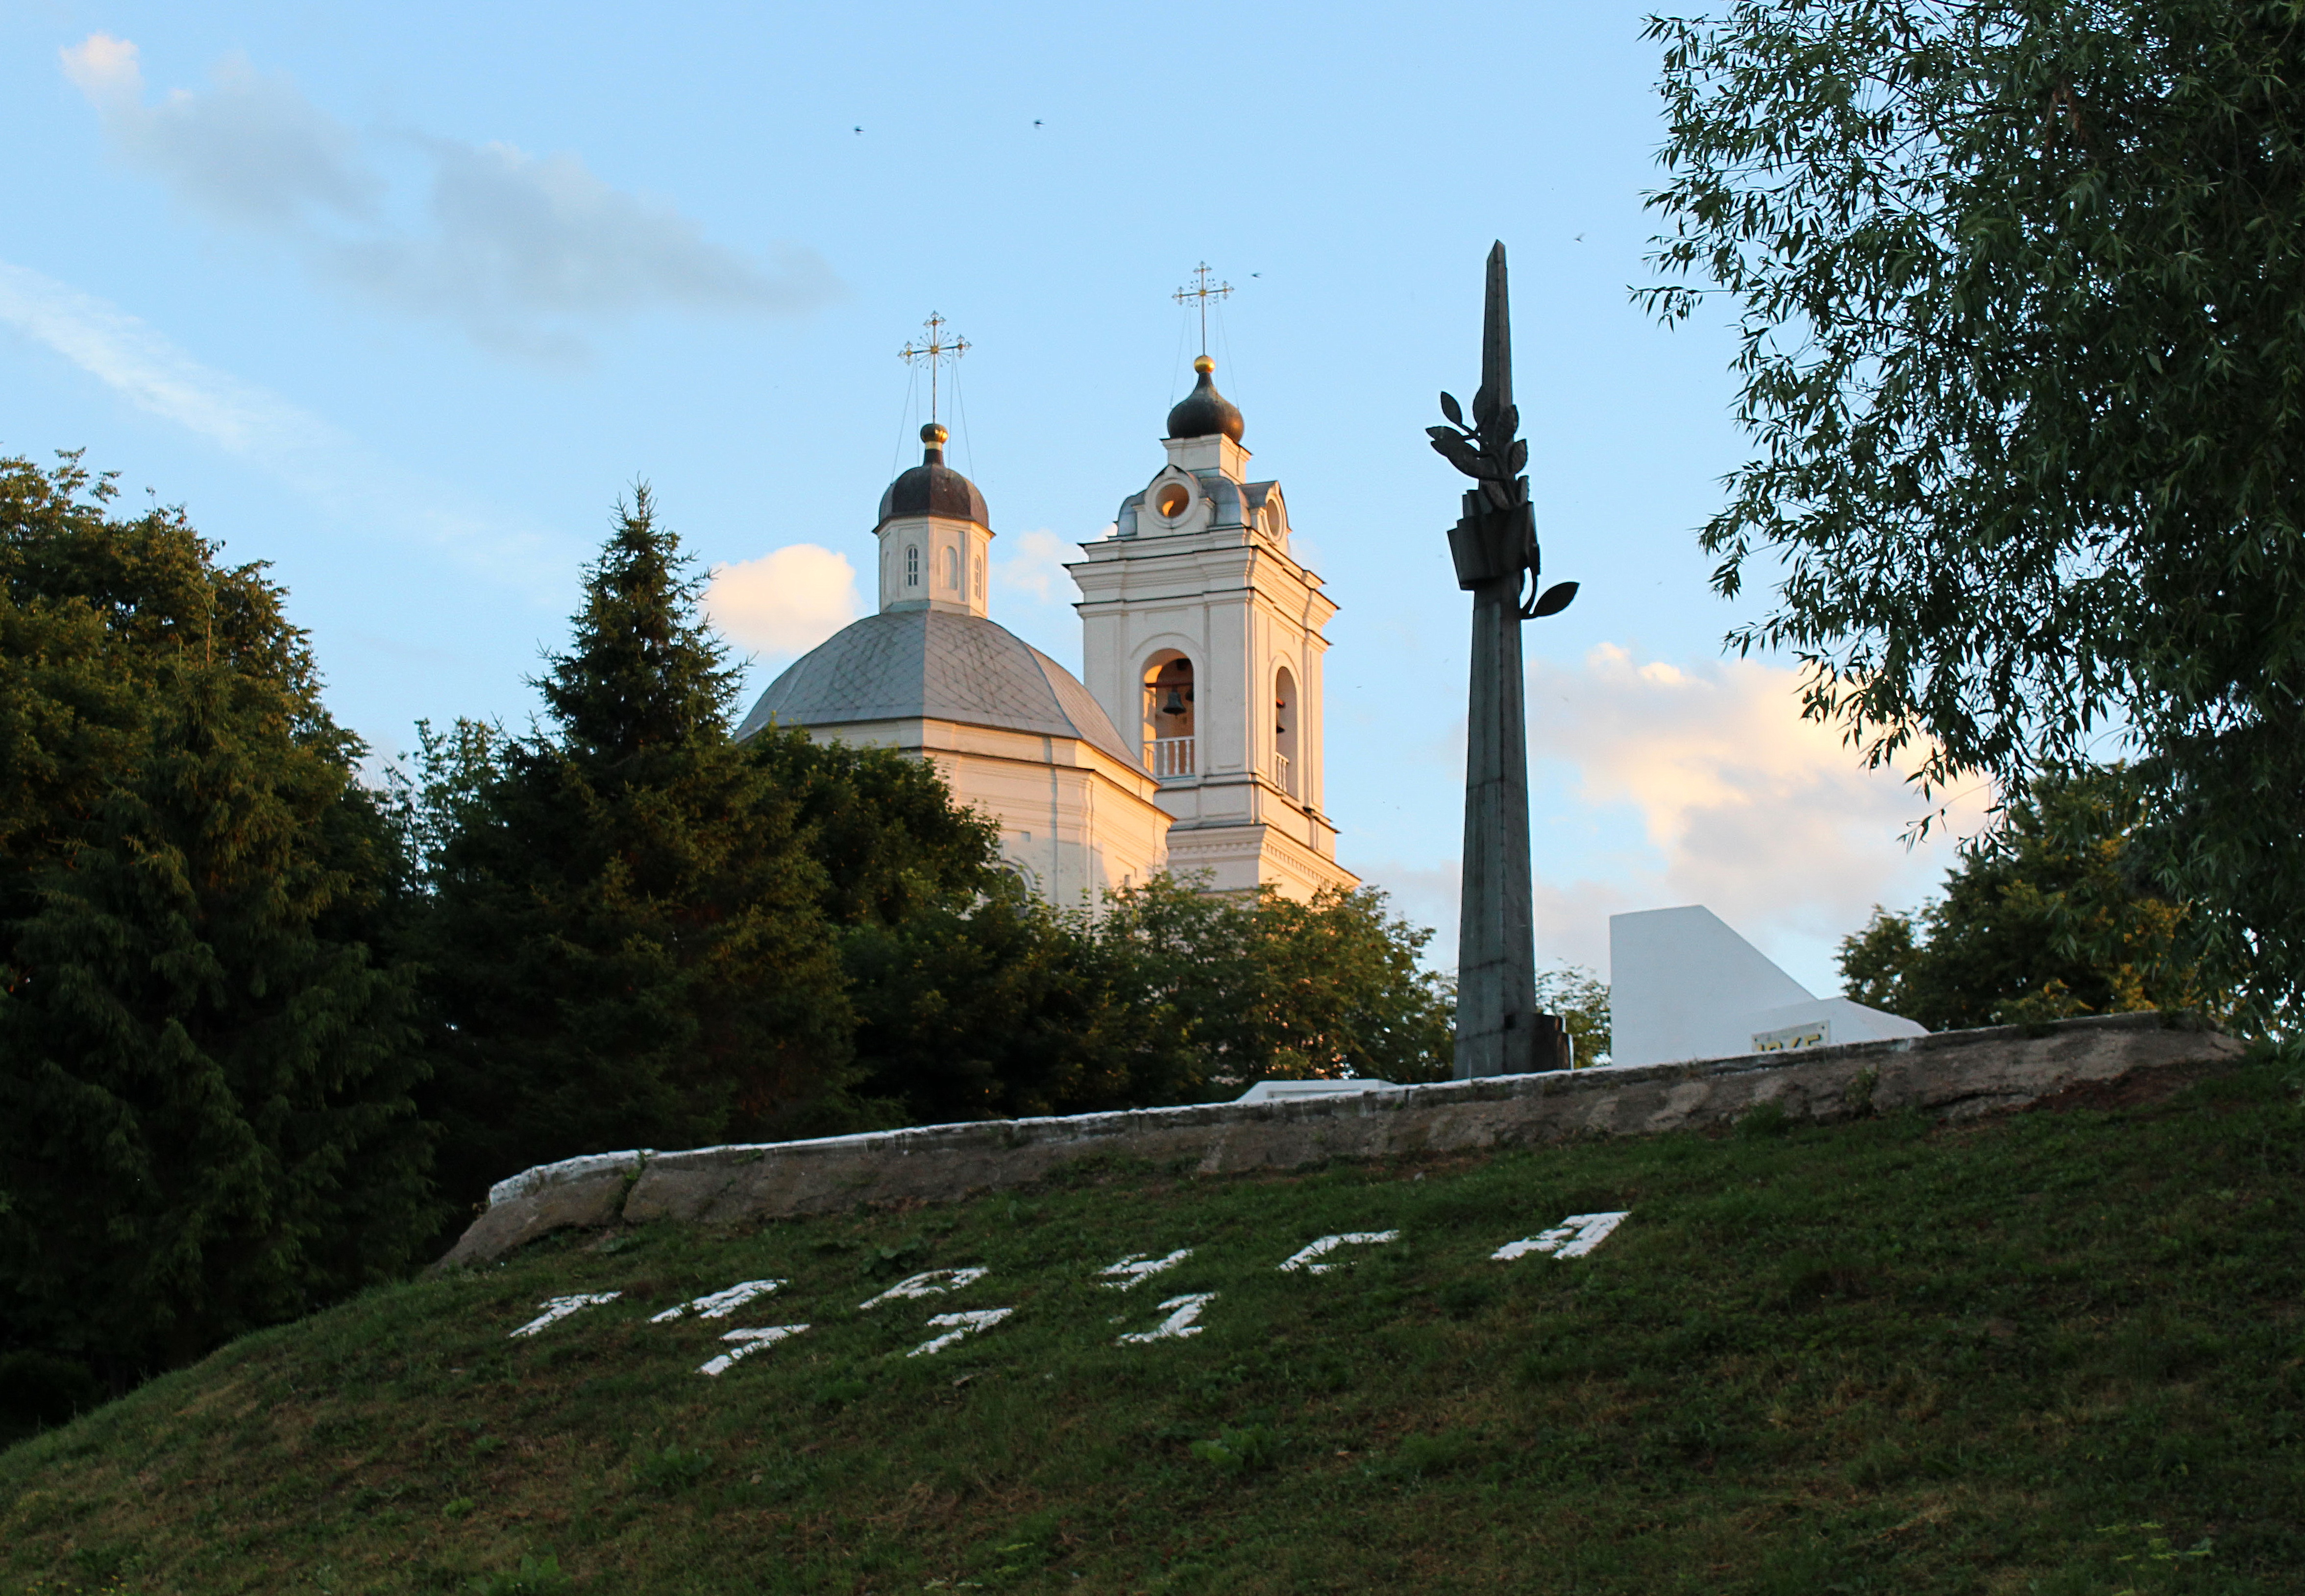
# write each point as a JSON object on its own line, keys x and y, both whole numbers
{"x": 1172, "y": 757}
{"x": 1284, "y": 774}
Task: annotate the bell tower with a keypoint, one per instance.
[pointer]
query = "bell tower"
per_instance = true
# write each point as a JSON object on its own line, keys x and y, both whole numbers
{"x": 1202, "y": 641}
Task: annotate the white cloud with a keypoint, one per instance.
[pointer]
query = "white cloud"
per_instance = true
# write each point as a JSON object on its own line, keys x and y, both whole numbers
{"x": 785, "y": 602}
{"x": 1037, "y": 571}
{"x": 512, "y": 247}
{"x": 1765, "y": 817}
{"x": 151, "y": 372}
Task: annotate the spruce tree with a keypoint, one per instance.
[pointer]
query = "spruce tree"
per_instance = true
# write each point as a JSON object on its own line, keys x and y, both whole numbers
{"x": 204, "y": 1111}
{"x": 627, "y": 940}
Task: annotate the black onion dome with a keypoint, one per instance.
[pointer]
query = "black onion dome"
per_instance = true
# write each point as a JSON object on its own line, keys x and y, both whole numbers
{"x": 1204, "y": 412}
{"x": 933, "y": 489}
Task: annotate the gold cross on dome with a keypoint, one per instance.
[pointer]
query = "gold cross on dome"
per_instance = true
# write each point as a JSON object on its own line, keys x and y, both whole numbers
{"x": 1200, "y": 294}
{"x": 936, "y": 350}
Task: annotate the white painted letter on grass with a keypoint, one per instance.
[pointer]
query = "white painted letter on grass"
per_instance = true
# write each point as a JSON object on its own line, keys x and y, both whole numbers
{"x": 928, "y": 1282}
{"x": 1182, "y": 1312}
{"x": 1137, "y": 1267}
{"x": 1330, "y": 1243}
{"x": 1573, "y": 1237}
{"x": 720, "y": 1303}
{"x": 560, "y": 1308}
{"x": 974, "y": 1322}
{"x": 747, "y": 1343}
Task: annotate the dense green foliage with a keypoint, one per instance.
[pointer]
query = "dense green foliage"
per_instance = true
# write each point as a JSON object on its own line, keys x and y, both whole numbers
{"x": 1581, "y": 1000}
{"x": 1172, "y": 995}
{"x": 2017, "y": 285}
{"x": 206, "y": 1120}
{"x": 627, "y": 934}
{"x": 2042, "y": 918}
{"x": 2025, "y": 1354}
{"x": 1266, "y": 987}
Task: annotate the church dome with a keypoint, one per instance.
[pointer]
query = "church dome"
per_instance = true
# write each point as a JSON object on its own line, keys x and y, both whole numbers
{"x": 933, "y": 489}
{"x": 1204, "y": 412}
{"x": 935, "y": 664}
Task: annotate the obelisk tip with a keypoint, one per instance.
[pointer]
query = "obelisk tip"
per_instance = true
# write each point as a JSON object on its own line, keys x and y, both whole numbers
{"x": 1496, "y": 333}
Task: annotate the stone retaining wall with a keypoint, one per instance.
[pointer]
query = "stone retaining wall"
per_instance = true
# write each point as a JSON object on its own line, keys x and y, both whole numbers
{"x": 1952, "y": 1075}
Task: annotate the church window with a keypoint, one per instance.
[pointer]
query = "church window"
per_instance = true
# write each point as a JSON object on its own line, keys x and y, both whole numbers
{"x": 912, "y": 566}
{"x": 1172, "y": 500}
{"x": 1285, "y": 770}
{"x": 1169, "y": 748}
{"x": 980, "y": 576}
{"x": 952, "y": 568}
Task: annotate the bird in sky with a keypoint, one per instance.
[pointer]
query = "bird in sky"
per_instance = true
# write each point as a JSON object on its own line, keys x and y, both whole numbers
{"x": 858, "y": 129}
{"x": 1037, "y": 122}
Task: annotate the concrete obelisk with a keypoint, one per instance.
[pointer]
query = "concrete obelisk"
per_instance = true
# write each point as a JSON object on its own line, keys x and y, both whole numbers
{"x": 1499, "y": 1030}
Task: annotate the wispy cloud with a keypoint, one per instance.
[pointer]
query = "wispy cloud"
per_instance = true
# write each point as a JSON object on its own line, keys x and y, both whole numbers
{"x": 250, "y": 151}
{"x": 1036, "y": 570}
{"x": 148, "y": 372}
{"x": 156, "y": 376}
{"x": 522, "y": 251}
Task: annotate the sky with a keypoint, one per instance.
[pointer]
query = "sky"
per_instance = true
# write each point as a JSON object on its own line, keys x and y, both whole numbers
{"x": 402, "y": 299}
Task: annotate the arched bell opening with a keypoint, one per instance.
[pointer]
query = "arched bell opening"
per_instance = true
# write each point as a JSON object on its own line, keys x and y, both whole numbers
{"x": 1284, "y": 731}
{"x": 1169, "y": 748}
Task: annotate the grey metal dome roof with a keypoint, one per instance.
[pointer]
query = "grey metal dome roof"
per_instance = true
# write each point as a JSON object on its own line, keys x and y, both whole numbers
{"x": 934, "y": 665}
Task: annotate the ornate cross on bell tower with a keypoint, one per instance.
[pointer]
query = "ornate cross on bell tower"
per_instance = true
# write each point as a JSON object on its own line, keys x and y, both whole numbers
{"x": 935, "y": 350}
{"x": 1197, "y": 293}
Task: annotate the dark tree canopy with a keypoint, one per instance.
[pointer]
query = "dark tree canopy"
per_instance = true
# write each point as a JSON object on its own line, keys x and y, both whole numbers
{"x": 1265, "y": 987}
{"x": 2045, "y": 917}
{"x": 206, "y": 1120}
{"x": 626, "y": 939}
{"x": 2017, "y": 283}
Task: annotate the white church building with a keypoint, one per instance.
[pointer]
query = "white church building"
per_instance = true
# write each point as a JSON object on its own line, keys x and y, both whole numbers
{"x": 1195, "y": 745}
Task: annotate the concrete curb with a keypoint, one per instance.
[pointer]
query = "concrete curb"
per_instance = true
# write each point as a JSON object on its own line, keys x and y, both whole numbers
{"x": 1953, "y": 1075}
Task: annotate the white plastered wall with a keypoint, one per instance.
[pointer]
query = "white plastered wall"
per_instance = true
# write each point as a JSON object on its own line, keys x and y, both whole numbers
{"x": 1075, "y": 822}
{"x": 949, "y": 549}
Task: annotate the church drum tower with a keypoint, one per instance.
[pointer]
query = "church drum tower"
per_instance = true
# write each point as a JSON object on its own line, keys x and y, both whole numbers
{"x": 1202, "y": 641}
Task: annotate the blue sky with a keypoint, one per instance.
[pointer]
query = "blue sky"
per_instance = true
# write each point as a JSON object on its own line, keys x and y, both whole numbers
{"x": 400, "y": 299}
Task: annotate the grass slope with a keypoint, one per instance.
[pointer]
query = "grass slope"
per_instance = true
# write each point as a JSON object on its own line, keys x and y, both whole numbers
{"x": 2059, "y": 1352}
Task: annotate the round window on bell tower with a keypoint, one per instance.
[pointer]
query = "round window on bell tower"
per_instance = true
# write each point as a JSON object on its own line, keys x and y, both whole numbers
{"x": 1172, "y": 501}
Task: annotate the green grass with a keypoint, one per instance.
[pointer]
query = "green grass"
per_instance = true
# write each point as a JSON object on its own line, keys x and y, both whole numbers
{"x": 2058, "y": 1352}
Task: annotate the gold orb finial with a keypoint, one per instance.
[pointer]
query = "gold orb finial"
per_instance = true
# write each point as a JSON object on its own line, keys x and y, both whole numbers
{"x": 1204, "y": 365}
{"x": 933, "y": 435}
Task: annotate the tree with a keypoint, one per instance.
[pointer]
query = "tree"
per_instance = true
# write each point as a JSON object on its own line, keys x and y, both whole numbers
{"x": 206, "y": 1120}
{"x": 1269, "y": 988}
{"x": 883, "y": 826}
{"x": 1581, "y": 1000}
{"x": 2044, "y": 918}
{"x": 2016, "y": 286}
{"x": 626, "y": 936}
{"x": 1006, "y": 1006}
